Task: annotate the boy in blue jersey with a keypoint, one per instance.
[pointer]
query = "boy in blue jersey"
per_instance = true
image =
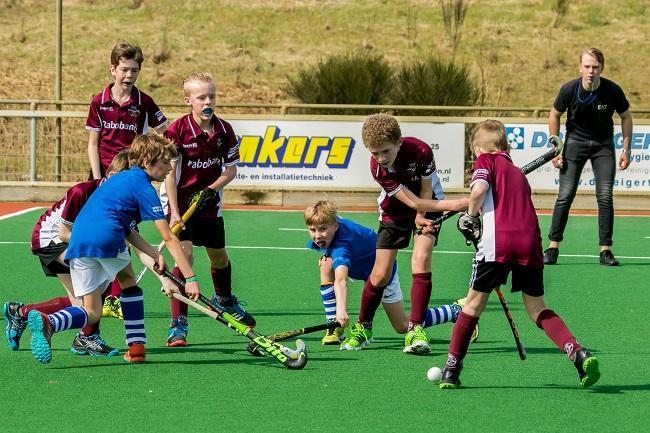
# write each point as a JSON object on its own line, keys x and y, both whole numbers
{"x": 98, "y": 252}
{"x": 349, "y": 251}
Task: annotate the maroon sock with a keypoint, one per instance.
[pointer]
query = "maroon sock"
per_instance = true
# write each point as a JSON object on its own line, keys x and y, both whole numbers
{"x": 460, "y": 337}
{"x": 557, "y": 331}
{"x": 177, "y": 307}
{"x": 48, "y": 307}
{"x": 90, "y": 329}
{"x": 222, "y": 280}
{"x": 370, "y": 300}
{"x": 420, "y": 295}
{"x": 115, "y": 289}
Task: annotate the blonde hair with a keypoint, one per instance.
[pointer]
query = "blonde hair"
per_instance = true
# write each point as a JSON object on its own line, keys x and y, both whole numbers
{"x": 119, "y": 163}
{"x": 321, "y": 212}
{"x": 379, "y": 129}
{"x": 151, "y": 148}
{"x": 596, "y": 54}
{"x": 490, "y": 136}
{"x": 202, "y": 77}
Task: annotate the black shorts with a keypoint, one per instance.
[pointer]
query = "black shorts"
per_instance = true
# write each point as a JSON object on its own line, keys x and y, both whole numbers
{"x": 205, "y": 232}
{"x": 486, "y": 276}
{"x": 396, "y": 235}
{"x": 48, "y": 255}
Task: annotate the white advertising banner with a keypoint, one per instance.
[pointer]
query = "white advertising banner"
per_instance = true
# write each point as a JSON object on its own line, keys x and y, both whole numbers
{"x": 528, "y": 141}
{"x": 331, "y": 154}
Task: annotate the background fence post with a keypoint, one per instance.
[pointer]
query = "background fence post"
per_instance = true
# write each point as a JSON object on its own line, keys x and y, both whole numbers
{"x": 32, "y": 143}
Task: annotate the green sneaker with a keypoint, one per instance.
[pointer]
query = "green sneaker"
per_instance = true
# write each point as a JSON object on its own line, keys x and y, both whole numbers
{"x": 417, "y": 342}
{"x": 359, "y": 338}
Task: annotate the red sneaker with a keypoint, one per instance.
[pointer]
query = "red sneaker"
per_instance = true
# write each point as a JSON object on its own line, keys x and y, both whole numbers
{"x": 135, "y": 354}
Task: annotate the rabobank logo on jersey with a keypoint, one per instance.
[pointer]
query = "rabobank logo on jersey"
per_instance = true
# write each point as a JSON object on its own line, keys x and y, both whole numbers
{"x": 515, "y": 136}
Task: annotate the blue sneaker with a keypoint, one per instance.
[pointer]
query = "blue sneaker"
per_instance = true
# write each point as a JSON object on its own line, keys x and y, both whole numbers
{"x": 233, "y": 307}
{"x": 15, "y": 324}
{"x": 93, "y": 345}
{"x": 177, "y": 334}
{"x": 42, "y": 332}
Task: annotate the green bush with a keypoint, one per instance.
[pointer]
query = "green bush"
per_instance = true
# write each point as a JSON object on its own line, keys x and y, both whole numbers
{"x": 433, "y": 81}
{"x": 343, "y": 79}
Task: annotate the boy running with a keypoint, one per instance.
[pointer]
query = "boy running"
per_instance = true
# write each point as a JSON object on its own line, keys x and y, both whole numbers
{"x": 116, "y": 115}
{"x": 405, "y": 169}
{"x": 208, "y": 153}
{"x": 98, "y": 250}
{"x": 511, "y": 242}
{"x": 50, "y": 239}
{"x": 348, "y": 250}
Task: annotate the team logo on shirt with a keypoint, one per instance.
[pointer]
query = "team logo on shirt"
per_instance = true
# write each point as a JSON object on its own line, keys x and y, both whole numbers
{"x": 106, "y": 108}
{"x": 190, "y": 145}
{"x": 203, "y": 164}
{"x": 602, "y": 107}
{"x": 134, "y": 111}
{"x": 119, "y": 125}
{"x": 515, "y": 136}
{"x": 157, "y": 209}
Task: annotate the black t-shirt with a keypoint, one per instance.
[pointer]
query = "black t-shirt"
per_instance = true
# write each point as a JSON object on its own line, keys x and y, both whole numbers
{"x": 589, "y": 115}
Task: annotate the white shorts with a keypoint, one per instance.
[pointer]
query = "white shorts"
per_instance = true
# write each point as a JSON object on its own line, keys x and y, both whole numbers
{"x": 393, "y": 291}
{"x": 92, "y": 273}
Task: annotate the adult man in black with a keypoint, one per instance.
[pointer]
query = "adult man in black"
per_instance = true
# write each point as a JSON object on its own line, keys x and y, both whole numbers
{"x": 590, "y": 102}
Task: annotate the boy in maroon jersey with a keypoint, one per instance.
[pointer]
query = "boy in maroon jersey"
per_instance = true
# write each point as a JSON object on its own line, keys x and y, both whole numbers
{"x": 208, "y": 156}
{"x": 511, "y": 242}
{"x": 411, "y": 191}
{"x": 116, "y": 115}
{"x": 49, "y": 242}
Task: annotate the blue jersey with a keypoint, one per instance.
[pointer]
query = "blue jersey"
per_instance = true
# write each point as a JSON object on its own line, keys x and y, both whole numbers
{"x": 353, "y": 246}
{"x": 112, "y": 211}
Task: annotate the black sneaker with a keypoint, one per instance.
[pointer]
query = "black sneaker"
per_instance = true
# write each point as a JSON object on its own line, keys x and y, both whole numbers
{"x": 15, "y": 324}
{"x": 587, "y": 366}
{"x": 607, "y": 258}
{"x": 450, "y": 379}
{"x": 92, "y": 345}
{"x": 550, "y": 256}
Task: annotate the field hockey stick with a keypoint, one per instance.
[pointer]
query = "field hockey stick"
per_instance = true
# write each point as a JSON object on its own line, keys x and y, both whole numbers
{"x": 558, "y": 147}
{"x": 254, "y": 348}
{"x": 511, "y": 321}
{"x": 196, "y": 203}
{"x": 292, "y": 359}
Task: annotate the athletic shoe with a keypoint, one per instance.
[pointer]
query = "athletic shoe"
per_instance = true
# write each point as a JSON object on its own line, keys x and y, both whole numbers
{"x": 607, "y": 258}
{"x": 333, "y": 336}
{"x": 42, "y": 332}
{"x": 461, "y": 302}
{"x": 359, "y": 338}
{"x": 93, "y": 345}
{"x": 587, "y": 366}
{"x": 550, "y": 256}
{"x": 112, "y": 307}
{"x": 15, "y": 324}
{"x": 177, "y": 334}
{"x": 234, "y": 308}
{"x": 135, "y": 354}
{"x": 416, "y": 341}
{"x": 474, "y": 337}
{"x": 450, "y": 379}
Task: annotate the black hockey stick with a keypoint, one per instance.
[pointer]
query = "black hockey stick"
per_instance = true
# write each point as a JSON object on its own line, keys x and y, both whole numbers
{"x": 254, "y": 348}
{"x": 528, "y": 168}
{"x": 292, "y": 359}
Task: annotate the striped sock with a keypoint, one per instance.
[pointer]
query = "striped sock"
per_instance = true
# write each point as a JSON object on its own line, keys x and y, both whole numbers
{"x": 68, "y": 318}
{"x": 329, "y": 301}
{"x": 133, "y": 311}
{"x": 439, "y": 315}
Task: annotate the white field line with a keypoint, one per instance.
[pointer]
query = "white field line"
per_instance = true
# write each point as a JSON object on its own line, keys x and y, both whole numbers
{"x": 20, "y": 212}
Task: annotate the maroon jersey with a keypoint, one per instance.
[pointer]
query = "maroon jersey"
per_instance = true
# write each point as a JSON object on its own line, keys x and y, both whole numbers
{"x": 117, "y": 124}
{"x": 510, "y": 228}
{"x": 413, "y": 163}
{"x": 64, "y": 211}
{"x": 202, "y": 157}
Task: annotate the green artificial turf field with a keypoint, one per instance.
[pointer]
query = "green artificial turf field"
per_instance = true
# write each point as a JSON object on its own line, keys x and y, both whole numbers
{"x": 215, "y": 385}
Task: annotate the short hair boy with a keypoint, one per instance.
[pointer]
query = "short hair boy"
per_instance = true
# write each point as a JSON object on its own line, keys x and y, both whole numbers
{"x": 511, "y": 243}
{"x": 98, "y": 252}
{"x": 348, "y": 250}
{"x": 411, "y": 195}
{"x": 208, "y": 153}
